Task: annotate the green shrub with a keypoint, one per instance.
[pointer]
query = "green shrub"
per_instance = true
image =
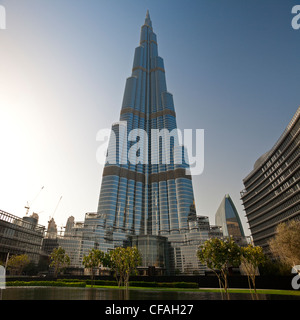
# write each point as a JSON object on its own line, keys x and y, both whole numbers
{"x": 186, "y": 285}
{"x": 178, "y": 284}
{"x": 80, "y": 283}
{"x": 142, "y": 284}
{"x": 102, "y": 282}
{"x": 164, "y": 284}
{"x": 44, "y": 284}
{"x": 70, "y": 280}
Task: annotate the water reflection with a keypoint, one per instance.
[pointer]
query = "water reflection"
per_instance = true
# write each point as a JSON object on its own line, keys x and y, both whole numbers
{"x": 56, "y": 293}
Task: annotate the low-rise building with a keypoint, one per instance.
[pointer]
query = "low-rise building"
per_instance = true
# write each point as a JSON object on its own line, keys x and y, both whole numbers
{"x": 20, "y": 236}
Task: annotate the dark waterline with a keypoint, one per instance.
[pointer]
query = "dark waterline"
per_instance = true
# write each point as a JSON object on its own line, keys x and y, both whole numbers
{"x": 55, "y": 293}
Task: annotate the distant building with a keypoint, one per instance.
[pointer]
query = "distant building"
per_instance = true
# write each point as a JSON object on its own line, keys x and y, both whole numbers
{"x": 69, "y": 225}
{"x": 50, "y": 241}
{"x": 73, "y": 241}
{"x": 228, "y": 218}
{"x": 157, "y": 252}
{"x": 20, "y": 236}
{"x": 272, "y": 189}
{"x": 52, "y": 229}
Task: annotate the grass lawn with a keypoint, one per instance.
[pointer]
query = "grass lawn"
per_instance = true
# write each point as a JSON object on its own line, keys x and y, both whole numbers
{"x": 259, "y": 291}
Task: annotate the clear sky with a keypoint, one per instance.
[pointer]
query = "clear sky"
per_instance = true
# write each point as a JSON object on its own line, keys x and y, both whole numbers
{"x": 232, "y": 67}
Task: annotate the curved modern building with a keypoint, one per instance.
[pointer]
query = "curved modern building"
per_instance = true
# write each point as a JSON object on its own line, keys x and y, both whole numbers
{"x": 228, "y": 218}
{"x": 272, "y": 189}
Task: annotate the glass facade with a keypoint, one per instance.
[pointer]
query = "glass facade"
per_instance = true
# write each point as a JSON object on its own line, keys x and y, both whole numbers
{"x": 139, "y": 198}
{"x": 154, "y": 252}
{"x": 272, "y": 189}
{"x": 228, "y": 218}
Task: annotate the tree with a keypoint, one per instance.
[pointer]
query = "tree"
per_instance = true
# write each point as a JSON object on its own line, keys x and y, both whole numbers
{"x": 94, "y": 260}
{"x": 251, "y": 258}
{"x": 219, "y": 255}
{"x": 117, "y": 261}
{"x": 133, "y": 260}
{"x": 285, "y": 244}
{"x": 124, "y": 261}
{"x": 17, "y": 263}
{"x": 59, "y": 260}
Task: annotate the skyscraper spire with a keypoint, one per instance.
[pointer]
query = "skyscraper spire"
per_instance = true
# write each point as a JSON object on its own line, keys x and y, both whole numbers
{"x": 148, "y": 19}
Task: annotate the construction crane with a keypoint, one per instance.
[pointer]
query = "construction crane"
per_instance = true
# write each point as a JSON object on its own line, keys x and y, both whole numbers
{"x": 28, "y": 206}
{"x": 55, "y": 209}
{"x": 52, "y": 229}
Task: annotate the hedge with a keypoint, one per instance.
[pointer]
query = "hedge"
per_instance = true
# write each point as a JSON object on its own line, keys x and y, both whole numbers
{"x": 142, "y": 284}
{"x": 80, "y": 283}
{"x": 178, "y": 284}
{"x": 102, "y": 282}
{"x": 44, "y": 284}
{"x": 164, "y": 284}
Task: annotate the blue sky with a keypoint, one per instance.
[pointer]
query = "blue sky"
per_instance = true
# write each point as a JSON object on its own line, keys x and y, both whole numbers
{"x": 232, "y": 67}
